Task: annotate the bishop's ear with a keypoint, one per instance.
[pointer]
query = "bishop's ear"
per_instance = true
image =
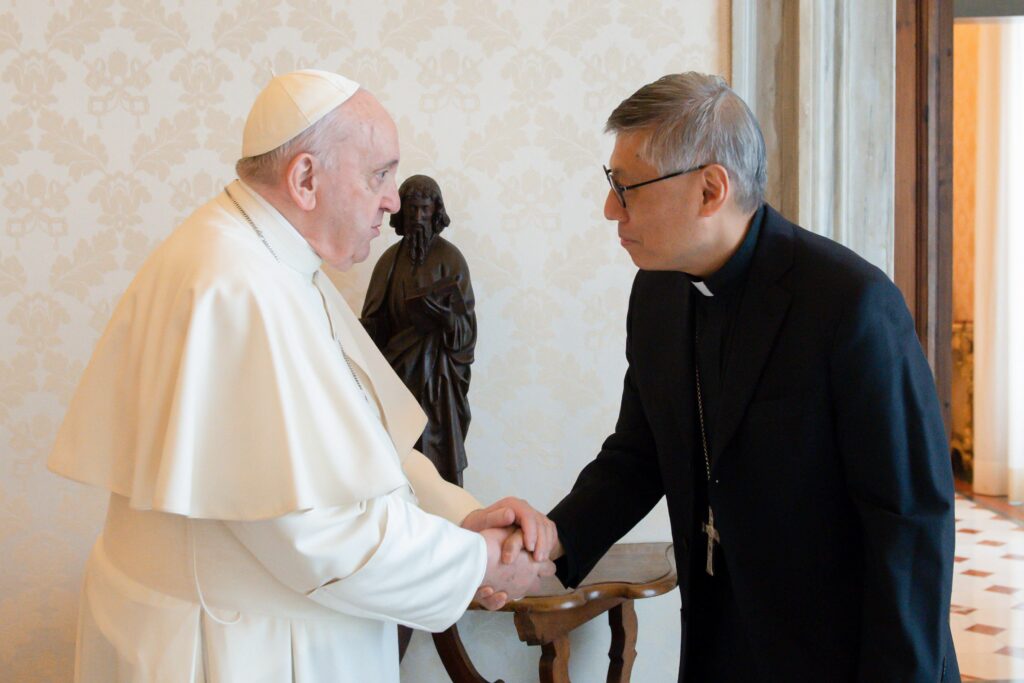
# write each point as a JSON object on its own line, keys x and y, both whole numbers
{"x": 715, "y": 189}
{"x": 301, "y": 180}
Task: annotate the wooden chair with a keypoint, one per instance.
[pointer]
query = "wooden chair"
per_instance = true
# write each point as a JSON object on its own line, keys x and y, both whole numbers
{"x": 629, "y": 571}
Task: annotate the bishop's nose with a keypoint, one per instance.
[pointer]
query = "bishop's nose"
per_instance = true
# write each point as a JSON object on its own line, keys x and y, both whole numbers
{"x": 613, "y": 210}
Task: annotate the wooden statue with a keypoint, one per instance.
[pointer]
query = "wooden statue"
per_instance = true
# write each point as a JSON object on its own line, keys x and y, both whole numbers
{"x": 419, "y": 312}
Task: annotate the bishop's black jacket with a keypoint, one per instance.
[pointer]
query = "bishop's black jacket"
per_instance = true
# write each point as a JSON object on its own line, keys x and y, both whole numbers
{"x": 831, "y": 480}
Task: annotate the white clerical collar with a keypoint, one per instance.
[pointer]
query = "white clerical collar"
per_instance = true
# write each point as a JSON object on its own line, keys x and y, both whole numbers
{"x": 290, "y": 247}
{"x": 701, "y": 287}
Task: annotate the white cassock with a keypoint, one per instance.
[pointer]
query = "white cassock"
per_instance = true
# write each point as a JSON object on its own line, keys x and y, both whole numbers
{"x": 263, "y": 521}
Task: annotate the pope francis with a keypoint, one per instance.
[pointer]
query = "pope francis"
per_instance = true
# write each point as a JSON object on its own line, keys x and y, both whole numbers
{"x": 269, "y": 519}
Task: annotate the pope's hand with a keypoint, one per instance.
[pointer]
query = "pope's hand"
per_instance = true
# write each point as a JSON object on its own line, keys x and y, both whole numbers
{"x": 537, "y": 533}
{"x": 508, "y": 580}
{"x": 489, "y": 518}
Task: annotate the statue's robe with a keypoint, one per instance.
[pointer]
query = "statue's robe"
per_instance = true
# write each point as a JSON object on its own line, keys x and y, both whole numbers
{"x": 263, "y": 520}
{"x": 431, "y": 356}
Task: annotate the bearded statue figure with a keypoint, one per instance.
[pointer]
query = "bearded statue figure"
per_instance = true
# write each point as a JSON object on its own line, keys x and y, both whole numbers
{"x": 419, "y": 310}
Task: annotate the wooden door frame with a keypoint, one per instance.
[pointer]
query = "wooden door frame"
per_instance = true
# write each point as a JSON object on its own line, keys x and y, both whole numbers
{"x": 923, "y": 239}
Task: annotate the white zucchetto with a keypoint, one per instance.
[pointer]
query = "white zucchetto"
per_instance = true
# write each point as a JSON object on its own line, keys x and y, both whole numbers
{"x": 289, "y": 105}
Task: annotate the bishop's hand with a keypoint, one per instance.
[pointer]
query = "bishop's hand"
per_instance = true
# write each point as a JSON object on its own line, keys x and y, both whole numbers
{"x": 536, "y": 532}
{"x": 532, "y": 530}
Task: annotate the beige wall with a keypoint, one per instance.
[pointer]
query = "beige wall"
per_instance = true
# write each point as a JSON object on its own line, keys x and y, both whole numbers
{"x": 965, "y": 168}
{"x": 121, "y": 117}
{"x": 965, "y": 144}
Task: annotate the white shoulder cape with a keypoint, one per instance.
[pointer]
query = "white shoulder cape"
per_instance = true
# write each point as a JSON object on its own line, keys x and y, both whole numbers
{"x": 217, "y": 391}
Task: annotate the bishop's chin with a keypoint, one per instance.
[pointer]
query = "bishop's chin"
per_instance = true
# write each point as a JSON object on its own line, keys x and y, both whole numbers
{"x": 633, "y": 249}
{"x": 640, "y": 263}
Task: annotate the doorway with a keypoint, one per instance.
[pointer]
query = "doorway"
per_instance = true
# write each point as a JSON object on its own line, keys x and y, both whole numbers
{"x": 988, "y": 218}
{"x": 953, "y": 177}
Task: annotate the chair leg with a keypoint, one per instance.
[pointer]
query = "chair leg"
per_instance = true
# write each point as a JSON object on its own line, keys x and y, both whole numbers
{"x": 455, "y": 659}
{"x": 622, "y": 653}
{"x": 554, "y": 661}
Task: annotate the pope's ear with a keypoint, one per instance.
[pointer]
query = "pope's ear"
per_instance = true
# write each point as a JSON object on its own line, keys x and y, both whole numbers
{"x": 300, "y": 180}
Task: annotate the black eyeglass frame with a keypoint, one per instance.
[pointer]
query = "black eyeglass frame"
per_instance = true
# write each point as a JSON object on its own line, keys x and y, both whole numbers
{"x": 620, "y": 190}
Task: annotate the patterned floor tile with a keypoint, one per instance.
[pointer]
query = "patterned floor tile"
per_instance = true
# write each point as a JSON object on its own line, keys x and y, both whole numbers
{"x": 1005, "y": 619}
{"x": 1011, "y": 651}
{"x": 985, "y": 629}
{"x": 976, "y": 572}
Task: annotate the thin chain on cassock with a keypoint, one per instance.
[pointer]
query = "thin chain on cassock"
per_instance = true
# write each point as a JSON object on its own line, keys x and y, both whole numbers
{"x": 708, "y": 528}
{"x": 259, "y": 233}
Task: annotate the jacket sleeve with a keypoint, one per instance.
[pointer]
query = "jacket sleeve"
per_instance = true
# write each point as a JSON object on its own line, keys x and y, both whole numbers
{"x": 612, "y": 493}
{"x": 383, "y": 558}
{"x": 894, "y": 453}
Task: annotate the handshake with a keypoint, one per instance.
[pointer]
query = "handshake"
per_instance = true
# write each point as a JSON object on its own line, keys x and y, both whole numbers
{"x": 521, "y": 544}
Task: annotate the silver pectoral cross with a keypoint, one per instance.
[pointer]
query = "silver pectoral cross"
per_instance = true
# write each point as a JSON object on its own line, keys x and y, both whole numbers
{"x": 713, "y": 538}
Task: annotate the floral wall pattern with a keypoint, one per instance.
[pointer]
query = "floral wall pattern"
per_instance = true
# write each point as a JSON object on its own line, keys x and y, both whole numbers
{"x": 121, "y": 117}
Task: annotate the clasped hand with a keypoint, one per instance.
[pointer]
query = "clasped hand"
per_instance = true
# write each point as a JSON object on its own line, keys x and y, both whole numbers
{"x": 520, "y": 541}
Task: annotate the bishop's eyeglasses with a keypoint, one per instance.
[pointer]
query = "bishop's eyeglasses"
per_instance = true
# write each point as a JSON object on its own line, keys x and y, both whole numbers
{"x": 620, "y": 190}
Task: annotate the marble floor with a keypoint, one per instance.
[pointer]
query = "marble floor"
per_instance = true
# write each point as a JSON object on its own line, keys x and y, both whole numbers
{"x": 987, "y": 614}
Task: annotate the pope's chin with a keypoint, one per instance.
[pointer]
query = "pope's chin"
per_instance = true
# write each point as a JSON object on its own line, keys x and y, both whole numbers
{"x": 344, "y": 262}
{"x": 358, "y": 254}
{"x": 362, "y": 252}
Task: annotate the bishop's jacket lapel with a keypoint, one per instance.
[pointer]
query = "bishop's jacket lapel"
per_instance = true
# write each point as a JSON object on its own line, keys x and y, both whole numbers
{"x": 669, "y": 359}
{"x": 761, "y": 312}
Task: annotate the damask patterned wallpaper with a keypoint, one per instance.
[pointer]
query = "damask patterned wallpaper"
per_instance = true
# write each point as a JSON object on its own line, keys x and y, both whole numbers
{"x": 120, "y": 118}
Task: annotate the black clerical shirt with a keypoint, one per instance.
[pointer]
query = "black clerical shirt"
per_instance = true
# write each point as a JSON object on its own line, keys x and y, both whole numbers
{"x": 715, "y": 312}
{"x": 718, "y": 647}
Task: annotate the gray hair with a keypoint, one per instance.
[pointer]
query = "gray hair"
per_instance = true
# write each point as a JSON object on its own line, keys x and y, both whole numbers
{"x": 697, "y": 119}
{"x": 320, "y": 140}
